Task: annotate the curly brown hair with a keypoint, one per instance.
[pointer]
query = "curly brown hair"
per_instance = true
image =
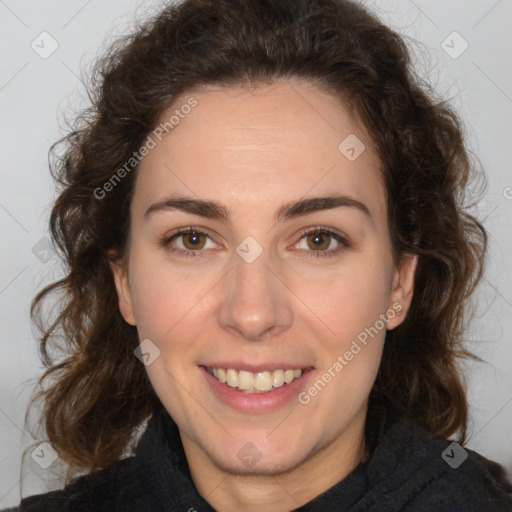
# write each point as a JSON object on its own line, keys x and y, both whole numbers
{"x": 98, "y": 393}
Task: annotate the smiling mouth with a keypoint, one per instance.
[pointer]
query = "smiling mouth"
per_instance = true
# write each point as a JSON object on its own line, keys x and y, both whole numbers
{"x": 264, "y": 381}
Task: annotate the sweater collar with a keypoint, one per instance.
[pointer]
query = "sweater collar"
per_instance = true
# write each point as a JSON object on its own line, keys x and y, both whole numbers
{"x": 169, "y": 482}
{"x": 165, "y": 470}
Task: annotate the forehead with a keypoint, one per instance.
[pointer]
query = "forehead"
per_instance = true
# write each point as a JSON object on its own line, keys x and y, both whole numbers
{"x": 264, "y": 146}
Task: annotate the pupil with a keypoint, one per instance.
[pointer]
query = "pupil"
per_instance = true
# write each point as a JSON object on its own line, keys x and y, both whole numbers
{"x": 194, "y": 238}
{"x": 319, "y": 240}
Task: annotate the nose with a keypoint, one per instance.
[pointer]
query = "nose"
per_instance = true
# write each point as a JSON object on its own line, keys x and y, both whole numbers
{"x": 255, "y": 304}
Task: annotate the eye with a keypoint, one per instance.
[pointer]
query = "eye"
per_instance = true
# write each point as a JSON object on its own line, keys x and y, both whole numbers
{"x": 188, "y": 242}
{"x": 322, "y": 241}
{"x": 315, "y": 242}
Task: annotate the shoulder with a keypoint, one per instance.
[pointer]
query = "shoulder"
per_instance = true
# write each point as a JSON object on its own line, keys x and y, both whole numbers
{"x": 129, "y": 484}
{"x": 117, "y": 487}
{"x": 423, "y": 472}
{"x": 476, "y": 485}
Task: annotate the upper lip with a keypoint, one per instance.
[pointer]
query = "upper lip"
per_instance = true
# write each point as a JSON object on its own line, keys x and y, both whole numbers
{"x": 254, "y": 368}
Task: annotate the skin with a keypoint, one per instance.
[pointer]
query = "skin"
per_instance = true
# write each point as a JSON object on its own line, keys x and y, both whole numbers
{"x": 254, "y": 151}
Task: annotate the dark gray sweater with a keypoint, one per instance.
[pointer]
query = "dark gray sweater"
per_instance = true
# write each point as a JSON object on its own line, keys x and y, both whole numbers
{"x": 409, "y": 471}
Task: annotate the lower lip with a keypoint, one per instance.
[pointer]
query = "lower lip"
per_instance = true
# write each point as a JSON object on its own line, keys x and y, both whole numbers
{"x": 257, "y": 402}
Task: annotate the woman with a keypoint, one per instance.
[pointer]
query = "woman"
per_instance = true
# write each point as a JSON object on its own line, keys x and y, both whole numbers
{"x": 269, "y": 261}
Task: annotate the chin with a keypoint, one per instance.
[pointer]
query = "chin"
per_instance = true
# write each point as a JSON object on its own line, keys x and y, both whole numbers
{"x": 265, "y": 466}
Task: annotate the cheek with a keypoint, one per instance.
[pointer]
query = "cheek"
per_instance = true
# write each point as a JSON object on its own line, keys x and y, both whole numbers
{"x": 351, "y": 304}
{"x": 165, "y": 299}
{"x": 349, "y": 300}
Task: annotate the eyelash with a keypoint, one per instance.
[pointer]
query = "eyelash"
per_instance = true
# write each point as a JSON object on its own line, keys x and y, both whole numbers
{"x": 309, "y": 253}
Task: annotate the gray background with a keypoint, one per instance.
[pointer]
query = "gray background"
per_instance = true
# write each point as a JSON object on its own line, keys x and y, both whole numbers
{"x": 36, "y": 92}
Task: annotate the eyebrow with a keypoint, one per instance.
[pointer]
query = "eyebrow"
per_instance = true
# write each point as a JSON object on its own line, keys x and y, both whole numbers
{"x": 215, "y": 210}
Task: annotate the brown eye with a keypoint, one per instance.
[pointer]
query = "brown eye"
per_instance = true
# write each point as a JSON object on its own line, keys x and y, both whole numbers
{"x": 189, "y": 242}
{"x": 193, "y": 240}
{"x": 319, "y": 241}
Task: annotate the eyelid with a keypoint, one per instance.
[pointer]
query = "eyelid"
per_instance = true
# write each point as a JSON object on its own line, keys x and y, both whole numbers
{"x": 322, "y": 229}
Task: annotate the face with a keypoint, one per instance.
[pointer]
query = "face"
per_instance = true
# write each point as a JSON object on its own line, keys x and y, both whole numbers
{"x": 259, "y": 252}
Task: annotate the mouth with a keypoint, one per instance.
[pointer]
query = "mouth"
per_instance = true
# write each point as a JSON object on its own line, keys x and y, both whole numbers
{"x": 254, "y": 388}
{"x": 262, "y": 381}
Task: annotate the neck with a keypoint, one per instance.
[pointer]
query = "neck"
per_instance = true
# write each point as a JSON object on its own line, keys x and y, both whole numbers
{"x": 279, "y": 492}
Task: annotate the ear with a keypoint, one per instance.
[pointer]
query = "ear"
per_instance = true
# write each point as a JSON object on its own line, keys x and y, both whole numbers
{"x": 402, "y": 289}
{"x": 119, "y": 270}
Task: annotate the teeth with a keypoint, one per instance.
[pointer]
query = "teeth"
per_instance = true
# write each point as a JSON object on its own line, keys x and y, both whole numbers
{"x": 278, "y": 378}
{"x": 263, "y": 381}
{"x": 260, "y": 382}
{"x": 232, "y": 378}
{"x": 245, "y": 380}
{"x": 221, "y": 375}
{"x": 289, "y": 376}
